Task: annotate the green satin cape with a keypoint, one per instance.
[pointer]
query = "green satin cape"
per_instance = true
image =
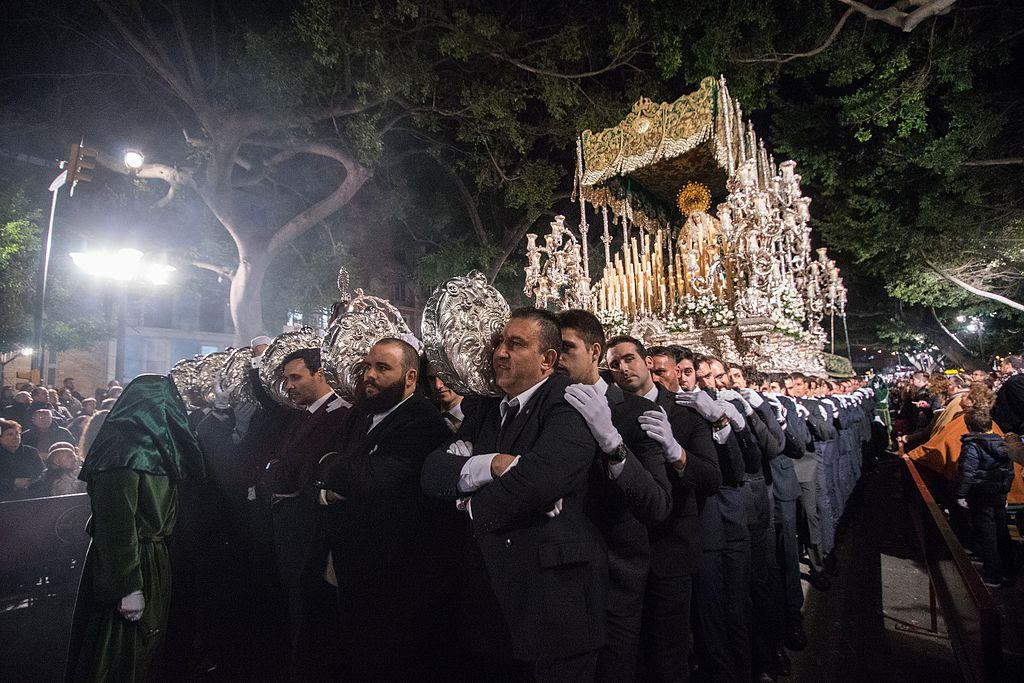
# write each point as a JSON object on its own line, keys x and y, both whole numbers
{"x": 147, "y": 430}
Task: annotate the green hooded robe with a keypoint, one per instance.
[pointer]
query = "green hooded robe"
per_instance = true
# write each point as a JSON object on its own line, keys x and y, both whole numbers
{"x": 143, "y": 449}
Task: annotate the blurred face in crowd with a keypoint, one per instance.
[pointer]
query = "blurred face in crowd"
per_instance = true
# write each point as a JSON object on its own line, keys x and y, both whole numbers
{"x": 63, "y": 459}
{"x": 259, "y": 349}
{"x": 11, "y": 439}
{"x": 737, "y": 378}
{"x": 629, "y": 369}
{"x": 445, "y": 396}
{"x": 40, "y": 395}
{"x": 53, "y": 396}
{"x": 719, "y": 375}
{"x": 519, "y": 361}
{"x": 386, "y": 380}
{"x": 979, "y": 375}
{"x": 69, "y": 384}
{"x": 919, "y": 380}
{"x": 23, "y": 397}
{"x": 665, "y": 371}
{"x": 301, "y": 385}
{"x": 687, "y": 374}
{"x": 89, "y": 406}
{"x": 578, "y": 360}
{"x": 42, "y": 419}
{"x": 775, "y": 387}
{"x": 114, "y": 392}
{"x": 797, "y": 387}
{"x": 7, "y": 396}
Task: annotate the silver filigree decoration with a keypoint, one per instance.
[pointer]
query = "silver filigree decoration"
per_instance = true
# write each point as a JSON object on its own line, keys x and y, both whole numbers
{"x": 184, "y": 374}
{"x": 367, "y": 320}
{"x": 208, "y": 374}
{"x": 270, "y": 371}
{"x": 460, "y": 321}
{"x": 234, "y": 377}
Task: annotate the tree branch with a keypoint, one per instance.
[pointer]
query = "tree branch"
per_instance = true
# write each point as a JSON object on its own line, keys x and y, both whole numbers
{"x": 895, "y": 16}
{"x": 174, "y": 177}
{"x": 222, "y": 271}
{"x": 355, "y": 176}
{"x": 615, "y": 64}
{"x": 789, "y": 57}
{"x": 946, "y": 330}
{"x": 974, "y": 290}
{"x": 1011, "y": 161}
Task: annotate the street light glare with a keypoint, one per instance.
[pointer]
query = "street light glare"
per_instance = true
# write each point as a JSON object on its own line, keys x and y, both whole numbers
{"x": 27, "y": 351}
{"x": 133, "y": 159}
{"x": 123, "y": 264}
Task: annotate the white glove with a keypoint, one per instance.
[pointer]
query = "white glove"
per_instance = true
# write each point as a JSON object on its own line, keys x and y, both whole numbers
{"x": 593, "y": 406}
{"x": 734, "y": 416}
{"x": 962, "y": 502}
{"x": 699, "y": 400}
{"x": 131, "y": 606}
{"x": 655, "y": 423}
{"x": 555, "y": 511}
{"x": 220, "y": 397}
{"x": 733, "y": 395}
{"x": 802, "y": 411}
{"x": 780, "y": 410}
{"x": 752, "y": 397}
{"x": 461, "y": 448}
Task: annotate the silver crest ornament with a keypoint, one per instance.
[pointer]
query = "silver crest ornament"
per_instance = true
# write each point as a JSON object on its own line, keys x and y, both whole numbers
{"x": 460, "y": 321}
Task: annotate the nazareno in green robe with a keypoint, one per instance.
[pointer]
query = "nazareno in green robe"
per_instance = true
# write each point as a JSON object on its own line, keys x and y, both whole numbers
{"x": 143, "y": 449}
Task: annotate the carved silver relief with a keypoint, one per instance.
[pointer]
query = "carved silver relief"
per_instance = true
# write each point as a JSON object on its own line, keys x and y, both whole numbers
{"x": 234, "y": 376}
{"x": 270, "y": 371}
{"x": 184, "y": 374}
{"x": 208, "y": 373}
{"x": 460, "y": 321}
{"x": 367, "y": 320}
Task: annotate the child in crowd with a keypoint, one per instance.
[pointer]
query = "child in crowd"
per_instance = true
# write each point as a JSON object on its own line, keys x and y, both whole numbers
{"x": 984, "y": 476}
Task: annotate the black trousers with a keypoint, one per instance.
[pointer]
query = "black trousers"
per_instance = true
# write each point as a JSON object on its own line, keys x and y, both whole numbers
{"x": 665, "y": 633}
{"x": 788, "y": 553}
{"x": 627, "y": 578}
{"x": 765, "y": 589}
{"x": 992, "y": 537}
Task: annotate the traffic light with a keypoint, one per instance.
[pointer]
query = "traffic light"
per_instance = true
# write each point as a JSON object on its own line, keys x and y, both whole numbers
{"x": 81, "y": 162}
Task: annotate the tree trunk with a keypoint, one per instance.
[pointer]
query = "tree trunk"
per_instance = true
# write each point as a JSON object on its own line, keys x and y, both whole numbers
{"x": 246, "y": 295}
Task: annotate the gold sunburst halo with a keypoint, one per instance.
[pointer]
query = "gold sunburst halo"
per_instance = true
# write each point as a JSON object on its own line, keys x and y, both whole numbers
{"x": 693, "y": 197}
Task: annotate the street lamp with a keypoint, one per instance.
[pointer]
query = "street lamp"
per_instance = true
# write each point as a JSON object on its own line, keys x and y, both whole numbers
{"x": 123, "y": 266}
{"x": 133, "y": 159}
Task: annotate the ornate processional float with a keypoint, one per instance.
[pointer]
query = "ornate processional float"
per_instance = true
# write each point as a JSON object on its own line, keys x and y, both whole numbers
{"x": 742, "y": 282}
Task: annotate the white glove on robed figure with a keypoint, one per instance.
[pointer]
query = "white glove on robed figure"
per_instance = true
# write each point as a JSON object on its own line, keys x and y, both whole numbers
{"x": 131, "y": 606}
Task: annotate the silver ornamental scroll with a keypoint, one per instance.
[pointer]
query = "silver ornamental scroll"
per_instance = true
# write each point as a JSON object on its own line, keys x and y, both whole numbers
{"x": 460, "y": 321}
{"x": 208, "y": 372}
{"x": 270, "y": 371}
{"x": 367, "y": 320}
{"x": 234, "y": 376}
{"x": 184, "y": 375}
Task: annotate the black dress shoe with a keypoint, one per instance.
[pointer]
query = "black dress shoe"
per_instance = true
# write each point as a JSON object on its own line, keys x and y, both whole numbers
{"x": 820, "y": 581}
{"x": 796, "y": 638}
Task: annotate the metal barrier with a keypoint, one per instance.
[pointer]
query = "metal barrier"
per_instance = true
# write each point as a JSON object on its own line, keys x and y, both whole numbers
{"x": 971, "y": 616}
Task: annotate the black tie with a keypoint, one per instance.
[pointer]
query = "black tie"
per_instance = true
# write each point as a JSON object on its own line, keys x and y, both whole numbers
{"x": 511, "y": 410}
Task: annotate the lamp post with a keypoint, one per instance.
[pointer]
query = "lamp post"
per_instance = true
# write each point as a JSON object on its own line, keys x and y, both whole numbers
{"x": 122, "y": 266}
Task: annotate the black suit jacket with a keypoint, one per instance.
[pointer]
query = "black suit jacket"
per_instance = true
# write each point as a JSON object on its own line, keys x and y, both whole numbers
{"x": 548, "y": 574}
{"x": 395, "y": 551}
{"x": 675, "y": 543}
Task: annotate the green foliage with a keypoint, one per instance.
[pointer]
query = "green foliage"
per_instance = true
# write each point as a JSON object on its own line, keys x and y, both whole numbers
{"x": 19, "y": 258}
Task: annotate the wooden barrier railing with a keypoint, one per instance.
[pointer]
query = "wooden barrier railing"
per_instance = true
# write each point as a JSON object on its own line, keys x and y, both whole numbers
{"x": 971, "y": 616}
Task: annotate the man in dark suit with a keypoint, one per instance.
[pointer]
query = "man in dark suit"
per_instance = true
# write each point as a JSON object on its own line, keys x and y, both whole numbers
{"x": 536, "y": 575}
{"x": 675, "y": 543}
{"x": 824, "y": 434}
{"x": 286, "y": 503}
{"x": 629, "y": 485}
{"x": 392, "y": 550}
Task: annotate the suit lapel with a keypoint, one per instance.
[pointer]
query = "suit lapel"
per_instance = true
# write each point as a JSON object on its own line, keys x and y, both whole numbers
{"x": 512, "y": 433}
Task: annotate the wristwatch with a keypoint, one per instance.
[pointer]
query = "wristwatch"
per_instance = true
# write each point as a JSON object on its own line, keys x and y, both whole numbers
{"x": 618, "y": 455}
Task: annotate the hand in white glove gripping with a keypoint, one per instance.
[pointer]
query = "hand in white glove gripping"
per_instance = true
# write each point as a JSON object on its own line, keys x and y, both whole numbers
{"x": 702, "y": 403}
{"x": 593, "y": 406}
{"x": 655, "y": 423}
{"x": 732, "y": 395}
{"x": 131, "y": 606}
{"x": 752, "y": 397}
{"x": 780, "y": 410}
{"x": 802, "y": 411}
{"x": 734, "y": 415}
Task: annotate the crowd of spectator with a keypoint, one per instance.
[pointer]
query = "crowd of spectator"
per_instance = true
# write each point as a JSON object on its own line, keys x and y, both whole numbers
{"x": 961, "y": 430}
{"x": 45, "y": 434}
